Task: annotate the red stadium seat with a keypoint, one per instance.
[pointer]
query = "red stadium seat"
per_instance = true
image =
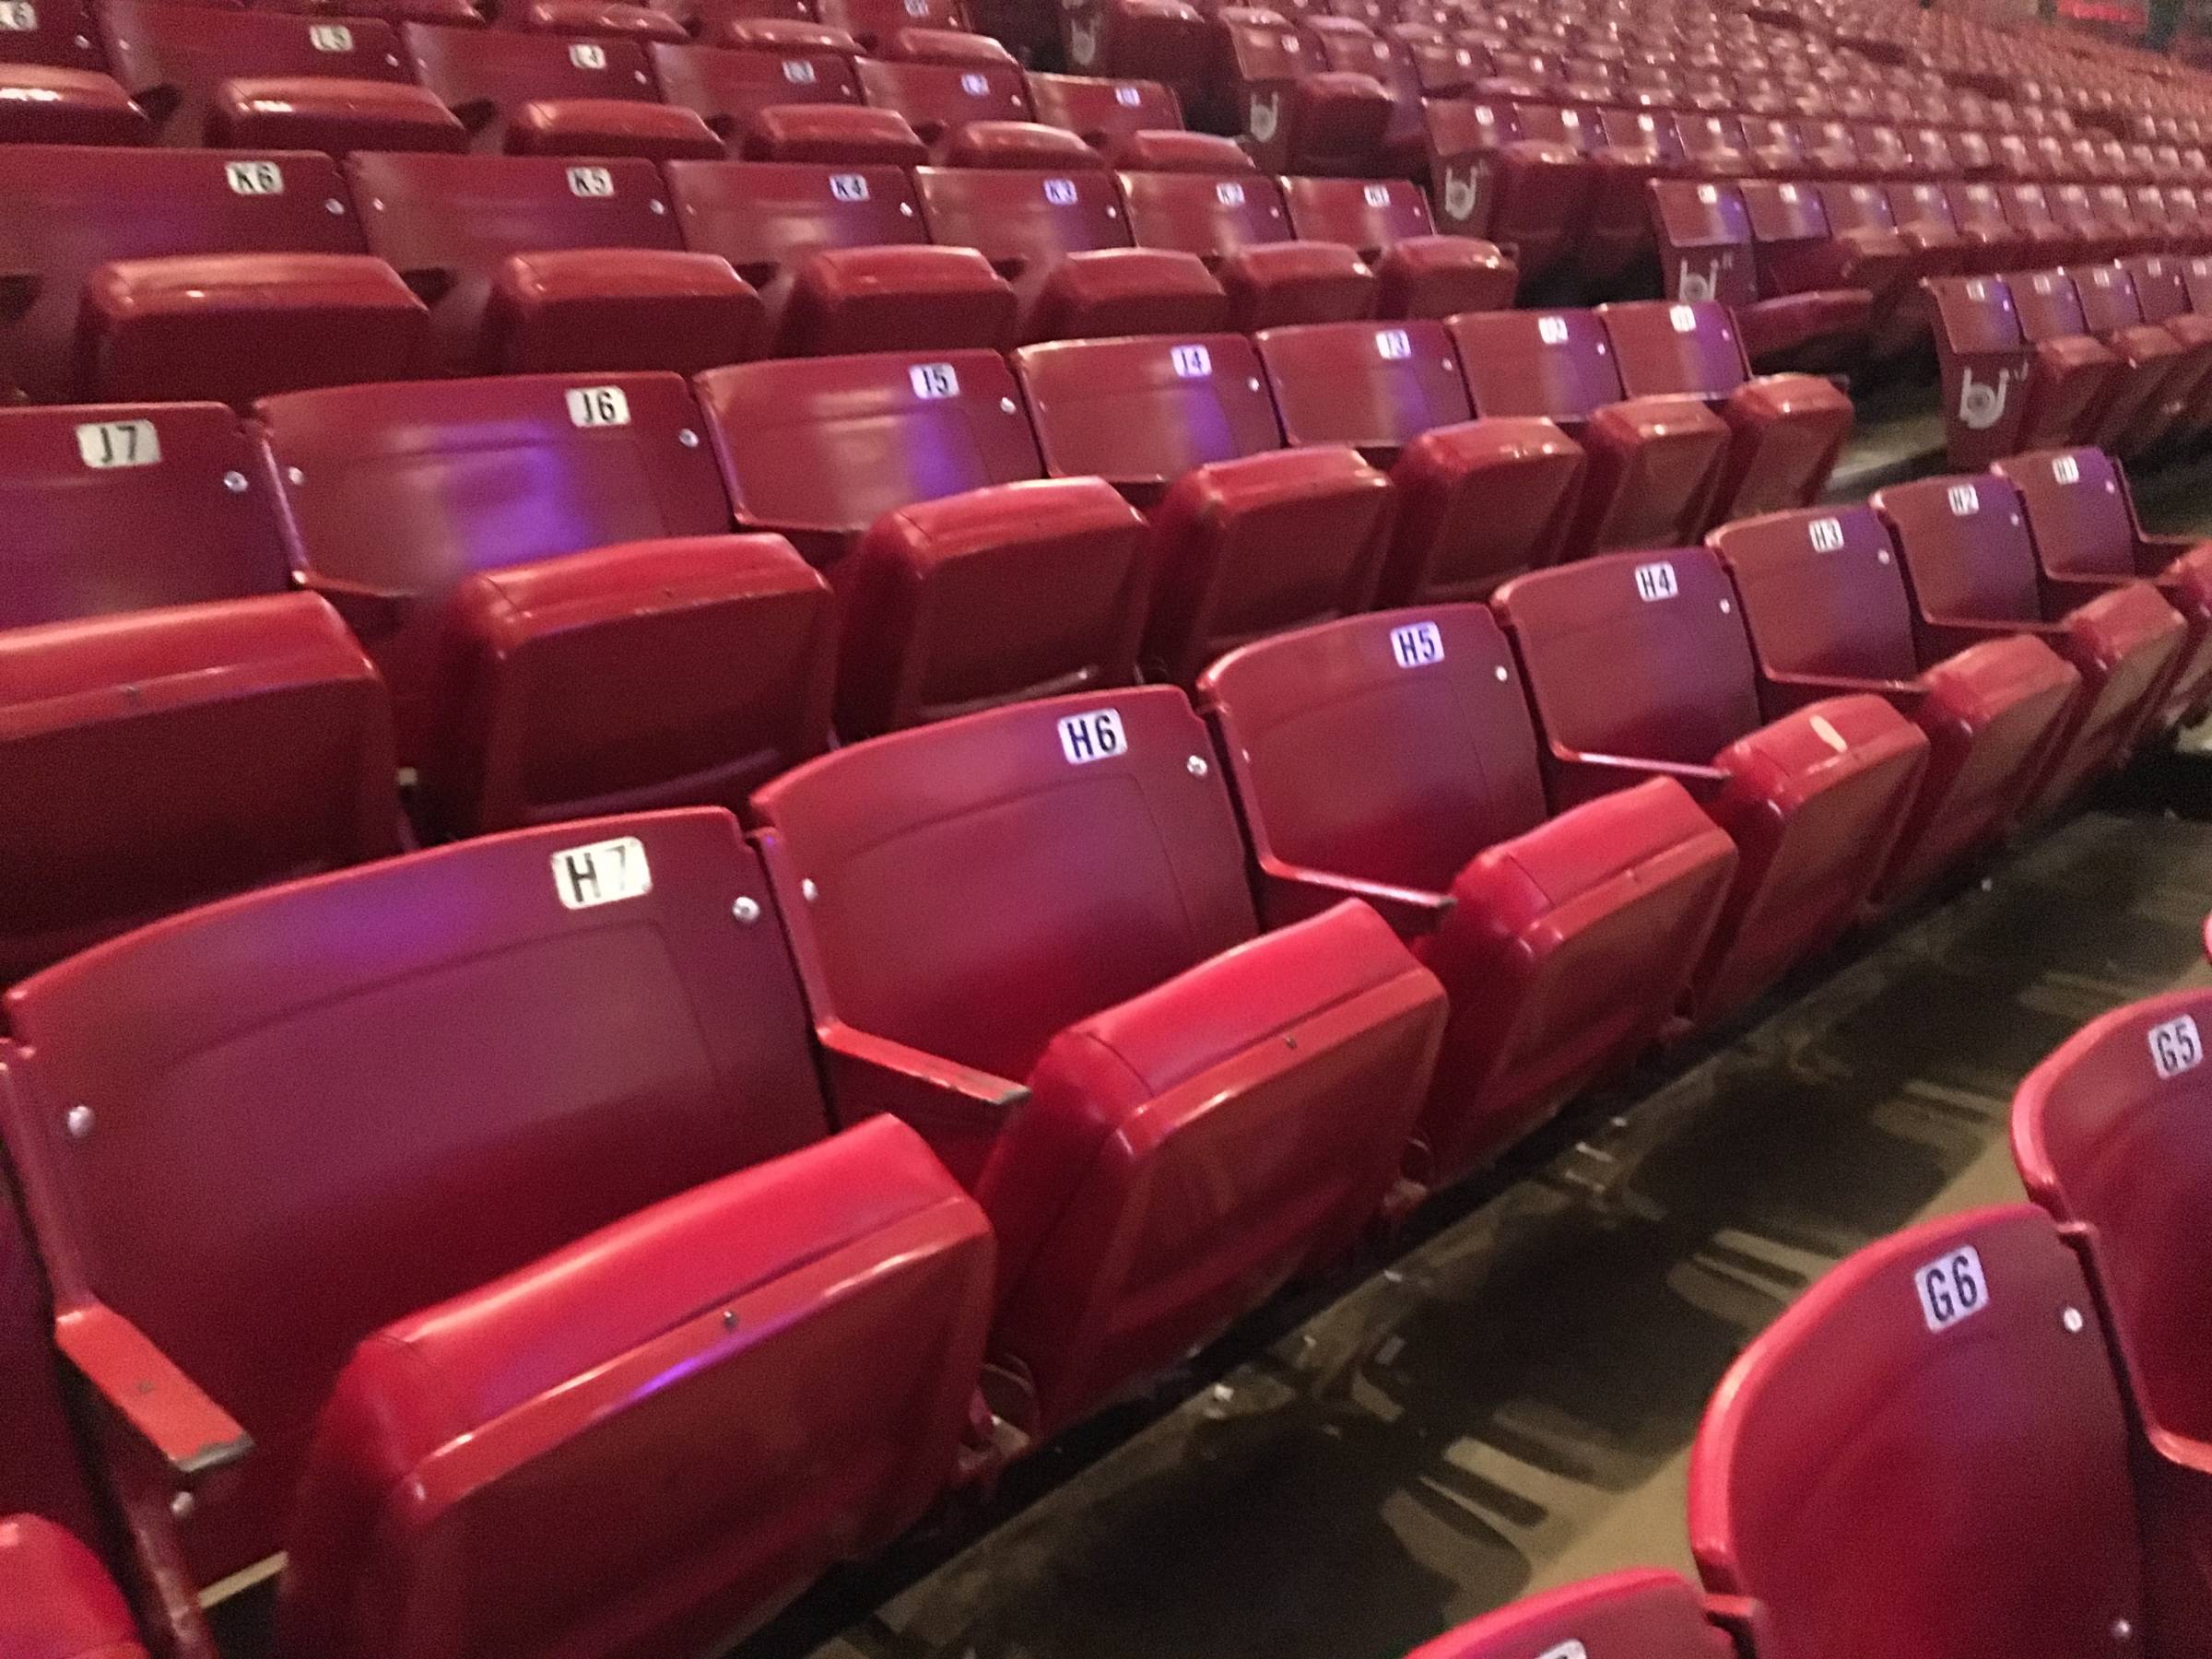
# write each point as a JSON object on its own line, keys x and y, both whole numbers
{"x": 1926, "y": 1456}
{"x": 484, "y": 76}
{"x": 2004, "y": 390}
{"x": 1140, "y": 412}
{"x": 871, "y": 22}
{"x": 2104, "y": 1132}
{"x": 129, "y": 506}
{"x": 259, "y": 80}
{"x": 1796, "y": 311}
{"x": 231, "y": 321}
{"x": 1530, "y": 194}
{"x": 1785, "y": 430}
{"x": 939, "y": 99}
{"x": 818, "y": 449}
{"x": 393, "y": 495}
{"x": 1087, "y": 832}
{"x": 1063, "y": 241}
{"x": 1654, "y": 463}
{"x": 1000, "y": 595}
{"x": 1639, "y": 667}
{"x": 538, "y": 264}
{"x": 956, "y": 46}
{"x": 1992, "y": 241}
{"x": 1028, "y": 146}
{"x": 39, "y": 104}
{"x": 1650, "y": 1615}
{"x": 2162, "y": 291}
{"x": 1240, "y": 227}
{"x": 2084, "y": 523}
{"x": 1385, "y": 221}
{"x": 1972, "y": 568}
{"x": 2147, "y": 406}
{"x": 726, "y": 89}
{"x": 832, "y": 133}
{"x": 637, "y": 1245}
{"x": 724, "y": 649}
{"x": 1391, "y": 758}
{"x": 1252, "y": 545}
{"x": 1825, "y": 601}
{"x": 1101, "y": 112}
{"x": 610, "y": 126}
{"x": 57, "y": 1600}
{"x": 1173, "y": 151}
{"x": 859, "y": 299}
{"x": 597, "y": 20}
{"x": 1479, "y": 501}
{"x": 159, "y": 758}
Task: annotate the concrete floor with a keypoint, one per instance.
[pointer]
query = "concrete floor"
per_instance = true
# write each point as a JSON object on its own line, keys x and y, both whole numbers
{"x": 1508, "y": 1403}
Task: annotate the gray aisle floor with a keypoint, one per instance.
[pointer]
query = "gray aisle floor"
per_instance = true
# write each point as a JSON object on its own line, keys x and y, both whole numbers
{"x": 1509, "y": 1405}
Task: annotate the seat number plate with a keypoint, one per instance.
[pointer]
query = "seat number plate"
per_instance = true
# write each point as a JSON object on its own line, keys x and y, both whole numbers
{"x": 18, "y": 18}
{"x": 604, "y": 873}
{"x": 586, "y": 54}
{"x": 2065, "y": 469}
{"x": 1229, "y": 193}
{"x": 849, "y": 187}
{"x": 1191, "y": 362}
{"x": 598, "y": 407}
{"x": 2174, "y": 1045}
{"x": 932, "y": 380}
{"x": 1097, "y": 735}
{"x": 1657, "y": 581}
{"x": 1952, "y": 1288}
{"x": 255, "y": 177}
{"x": 330, "y": 37}
{"x": 1966, "y": 501}
{"x": 110, "y": 443}
{"x": 1417, "y": 644}
{"x": 591, "y": 181}
{"x": 798, "y": 71}
{"x": 1828, "y": 534}
{"x": 1060, "y": 193}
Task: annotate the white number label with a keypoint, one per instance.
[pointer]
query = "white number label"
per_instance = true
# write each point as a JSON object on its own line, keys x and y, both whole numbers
{"x": 974, "y": 85}
{"x": 585, "y": 55}
{"x": 1093, "y": 737}
{"x": 1684, "y": 318}
{"x": 18, "y": 18}
{"x": 604, "y": 873}
{"x": 106, "y": 443}
{"x": 591, "y": 181}
{"x": 1966, "y": 501}
{"x": 1552, "y": 331}
{"x": 2174, "y": 1046}
{"x": 1191, "y": 362}
{"x": 255, "y": 177}
{"x": 934, "y": 381}
{"x": 849, "y": 187}
{"x": 2065, "y": 469}
{"x": 1128, "y": 97}
{"x": 1394, "y": 345}
{"x": 1229, "y": 194}
{"x": 1417, "y": 644}
{"x": 1657, "y": 581}
{"x": 1708, "y": 194}
{"x": 1060, "y": 193}
{"x": 1376, "y": 196}
{"x": 598, "y": 407}
{"x": 1828, "y": 536}
{"x": 1952, "y": 1288}
{"x": 330, "y": 37}
{"x": 917, "y": 8}
{"x": 798, "y": 71}
{"x": 1566, "y": 1650}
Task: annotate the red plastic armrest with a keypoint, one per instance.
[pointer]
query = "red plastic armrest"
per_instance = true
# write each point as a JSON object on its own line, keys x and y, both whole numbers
{"x": 1308, "y": 891}
{"x": 1702, "y": 781}
{"x": 163, "y": 1406}
{"x": 934, "y": 1095}
{"x": 1904, "y": 696}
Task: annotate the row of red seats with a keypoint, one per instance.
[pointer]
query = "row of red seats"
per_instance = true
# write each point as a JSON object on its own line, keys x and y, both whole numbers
{"x": 439, "y": 511}
{"x": 186, "y": 75}
{"x": 2113, "y": 355}
{"x": 602, "y": 995}
{"x": 1989, "y": 1434}
{"x": 1830, "y": 276}
{"x": 231, "y": 274}
{"x": 1569, "y": 186}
